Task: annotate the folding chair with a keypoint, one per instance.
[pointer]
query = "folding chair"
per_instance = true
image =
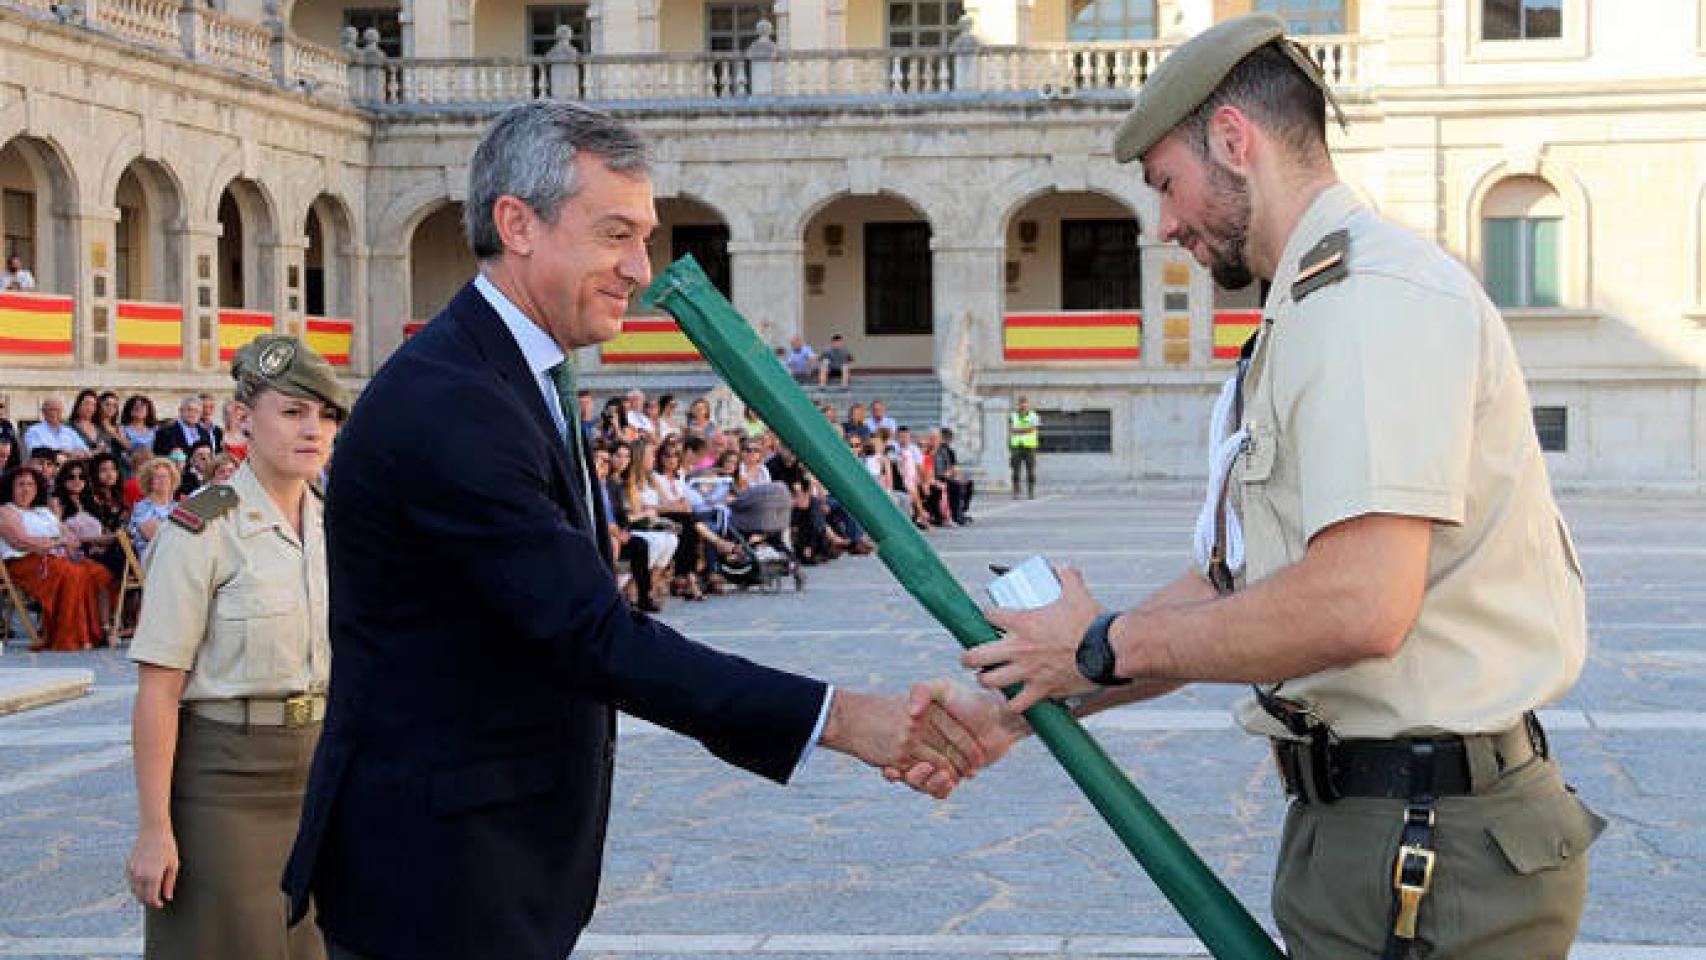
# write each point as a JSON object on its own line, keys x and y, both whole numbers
{"x": 19, "y": 604}
{"x": 130, "y": 579}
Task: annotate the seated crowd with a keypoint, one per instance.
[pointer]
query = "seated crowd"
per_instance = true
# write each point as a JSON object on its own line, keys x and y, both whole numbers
{"x": 69, "y": 486}
{"x": 687, "y": 500}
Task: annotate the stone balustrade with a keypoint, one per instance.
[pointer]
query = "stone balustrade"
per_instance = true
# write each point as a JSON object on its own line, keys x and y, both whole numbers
{"x": 361, "y": 74}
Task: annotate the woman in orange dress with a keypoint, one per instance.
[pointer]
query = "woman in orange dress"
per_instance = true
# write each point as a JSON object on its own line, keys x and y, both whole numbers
{"x": 35, "y": 548}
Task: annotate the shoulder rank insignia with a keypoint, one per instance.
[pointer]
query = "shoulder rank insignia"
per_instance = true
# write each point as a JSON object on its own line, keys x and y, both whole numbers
{"x": 1326, "y": 263}
{"x": 198, "y": 511}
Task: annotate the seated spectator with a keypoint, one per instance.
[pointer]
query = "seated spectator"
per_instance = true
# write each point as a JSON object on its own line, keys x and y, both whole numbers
{"x": 45, "y": 461}
{"x": 877, "y": 464}
{"x": 588, "y": 416}
{"x": 699, "y": 419}
{"x": 879, "y": 418}
{"x": 198, "y": 471}
{"x": 635, "y": 405}
{"x": 836, "y": 362}
{"x": 137, "y": 422}
{"x": 627, "y": 547}
{"x": 751, "y": 470}
{"x": 960, "y": 487}
{"x": 159, "y": 481}
{"x": 139, "y": 456}
{"x": 666, "y": 416}
{"x": 613, "y": 427}
{"x": 703, "y": 527}
{"x": 8, "y": 453}
{"x": 800, "y": 359}
{"x": 37, "y": 552}
{"x": 184, "y": 432}
{"x": 53, "y": 432}
{"x": 106, "y": 492}
{"x": 854, "y": 427}
{"x": 17, "y": 276}
{"x": 72, "y": 502}
{"x": 751, "y": 425}
{"x": 209, "y": 428}
{"x": 9, "y": 433}
{"x": 932, "y": 486}
{"x": 224, "y": 468}
{"x": 235, "y": 439}
{"x": 628, "y": 495}
{"x": 696, "y": 454}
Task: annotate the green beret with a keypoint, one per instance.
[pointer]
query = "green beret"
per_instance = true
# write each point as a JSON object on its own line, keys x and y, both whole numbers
{"x": 287, "y": 365}
{"x": 1190, "y": 74}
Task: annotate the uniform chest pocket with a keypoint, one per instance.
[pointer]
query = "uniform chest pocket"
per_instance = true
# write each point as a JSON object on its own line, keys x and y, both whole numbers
{"x": 1256, "y": 459}
{"x": 263, "y": 626}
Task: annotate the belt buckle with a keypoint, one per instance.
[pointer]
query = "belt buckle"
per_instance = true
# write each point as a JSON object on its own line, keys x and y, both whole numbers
{"x": 1411, "y": 878}
{"x": 298, "y": 710}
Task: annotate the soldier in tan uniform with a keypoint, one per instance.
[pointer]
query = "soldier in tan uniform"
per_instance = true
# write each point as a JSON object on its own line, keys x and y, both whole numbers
{"x": 1381, "y": 556}
{"x": 233, "y": 663}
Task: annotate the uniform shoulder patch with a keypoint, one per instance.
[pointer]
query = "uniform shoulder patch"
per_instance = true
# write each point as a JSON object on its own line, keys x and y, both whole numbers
{"x": 1326, "y": 263}
{"x": 206, "y": 506}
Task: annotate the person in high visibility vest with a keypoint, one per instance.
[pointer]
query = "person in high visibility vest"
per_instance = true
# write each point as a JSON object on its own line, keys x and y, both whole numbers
{"x": 1022, "y": 426}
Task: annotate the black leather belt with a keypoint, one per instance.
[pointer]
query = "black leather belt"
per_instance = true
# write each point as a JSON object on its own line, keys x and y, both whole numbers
{"x": 1384, "y": 768}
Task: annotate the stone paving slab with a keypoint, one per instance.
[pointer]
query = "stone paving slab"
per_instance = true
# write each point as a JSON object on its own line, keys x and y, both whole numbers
{"x": 25, "y": 688}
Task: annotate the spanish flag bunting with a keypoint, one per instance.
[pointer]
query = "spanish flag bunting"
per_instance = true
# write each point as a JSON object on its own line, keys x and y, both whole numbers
{"x": 238, "y": 327}
{"x": 1074, "y": 335}
{"x": 650, "y": 340}
{"x": 36, "y": 325}
{"x": 150, "y": 331}
{"x": 1231, "y": 329}
{"x": 330, "y": 338}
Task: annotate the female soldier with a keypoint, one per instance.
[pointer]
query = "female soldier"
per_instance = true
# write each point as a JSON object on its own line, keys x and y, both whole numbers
{"x": 234, "y": 659}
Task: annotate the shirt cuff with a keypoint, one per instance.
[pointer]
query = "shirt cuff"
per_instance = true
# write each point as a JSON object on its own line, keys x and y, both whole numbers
{"x": 817, "y": 732}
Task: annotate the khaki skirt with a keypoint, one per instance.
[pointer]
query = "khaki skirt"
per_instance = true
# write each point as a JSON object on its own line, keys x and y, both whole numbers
{"x": 236, "y": 798}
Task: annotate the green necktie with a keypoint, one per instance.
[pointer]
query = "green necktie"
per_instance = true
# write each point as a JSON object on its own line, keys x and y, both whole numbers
{"x": 563, "y": 378}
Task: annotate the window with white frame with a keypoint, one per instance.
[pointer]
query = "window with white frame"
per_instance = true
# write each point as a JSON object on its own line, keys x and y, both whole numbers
{"x": 1522, "y": 19}
{"x": 730, "y": 27}
{"x": 543, "y": 21}
{"x": 1522, "y": 227}
{"x": 1308, "y": 16}
{"x": 1093, "y": 20}
{"x": 922, "y": 24}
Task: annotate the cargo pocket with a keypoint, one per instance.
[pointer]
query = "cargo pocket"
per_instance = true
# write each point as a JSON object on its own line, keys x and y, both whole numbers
{"x": 1547, "y": 834}
{"x": 274, "y": 623}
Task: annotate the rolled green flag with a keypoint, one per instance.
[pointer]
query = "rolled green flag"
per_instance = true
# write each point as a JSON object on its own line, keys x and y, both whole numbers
{"x": 751, "y": 369}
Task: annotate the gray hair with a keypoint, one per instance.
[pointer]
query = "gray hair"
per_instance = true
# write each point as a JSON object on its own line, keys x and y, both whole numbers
{"x": 529, "y": 153}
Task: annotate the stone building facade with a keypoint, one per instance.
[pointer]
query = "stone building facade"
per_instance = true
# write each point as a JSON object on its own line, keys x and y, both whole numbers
{"x": 930, "y": 178}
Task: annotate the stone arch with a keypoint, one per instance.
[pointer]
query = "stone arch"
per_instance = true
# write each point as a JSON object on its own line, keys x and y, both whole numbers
{"x": 1575, "y": 280}
{"x": 329, "y": 281}
{"x": 689, "y": 224}
{"x": 1032, "y": 182}
{"x": 147, "y": 260}
{"x": 391, "y": 228}
{"x": 437, "y": 244}
{"x": 804, "y": 215}
{"x": 896, "y": 330}
{"x": 52, "y": 254}
{"x": 245, "y": 261}
{"x": 1038, "y": 274}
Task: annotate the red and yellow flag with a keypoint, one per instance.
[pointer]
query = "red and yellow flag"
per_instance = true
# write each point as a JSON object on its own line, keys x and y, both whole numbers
{"x": 1231, "y": 329}
{"x": 150, "y": 331}
{"x": 330, "y": 338}
{"x": 36, "y": 325}
{"x": 650, "y": 340}
{"x": 1074, "y": 335}
{"x": 238, "y": 327}
{"x": 413, "y": 327}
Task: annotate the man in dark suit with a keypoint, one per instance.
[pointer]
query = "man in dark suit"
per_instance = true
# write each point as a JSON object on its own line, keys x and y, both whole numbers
{"x": 460, "y": 791}
{"x": 186, "y": 431}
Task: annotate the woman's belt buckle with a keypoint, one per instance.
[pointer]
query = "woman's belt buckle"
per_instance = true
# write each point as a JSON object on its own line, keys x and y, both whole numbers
{"x": 299, "y": 710}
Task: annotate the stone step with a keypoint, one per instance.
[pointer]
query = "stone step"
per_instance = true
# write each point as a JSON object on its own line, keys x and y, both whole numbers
{"x": 24, "y": 688}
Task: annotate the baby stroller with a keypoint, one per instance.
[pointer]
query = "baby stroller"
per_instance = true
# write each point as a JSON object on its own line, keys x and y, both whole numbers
{"x": 761, "y": 515}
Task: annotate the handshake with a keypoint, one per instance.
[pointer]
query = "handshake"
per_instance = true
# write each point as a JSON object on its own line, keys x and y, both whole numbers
{"x": 936, "y": 735}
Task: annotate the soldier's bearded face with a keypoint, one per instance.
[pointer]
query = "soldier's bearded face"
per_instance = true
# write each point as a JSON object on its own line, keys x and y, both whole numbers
{"x": 1205, "y": 207}
{"x": 1225, "y": 225}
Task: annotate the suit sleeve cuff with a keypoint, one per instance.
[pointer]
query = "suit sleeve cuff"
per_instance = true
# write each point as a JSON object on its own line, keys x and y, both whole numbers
{"x": 817, "y": 732}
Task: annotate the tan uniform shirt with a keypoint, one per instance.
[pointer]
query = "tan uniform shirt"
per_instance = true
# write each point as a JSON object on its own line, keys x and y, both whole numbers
{"x": 240, "y": 605}
{"x": 1396, "y": 390}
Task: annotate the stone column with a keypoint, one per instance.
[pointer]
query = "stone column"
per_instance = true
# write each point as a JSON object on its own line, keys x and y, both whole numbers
{"x": 991, "y": 458}
{"x": 967, "y": 294}
{"x": 767, "y": 280}
{"x": 364, "y": 359}
{"x": 387, "y": 301}
{"x": 95, "y": 285}
{"x": 287, "y": 302}
{"x": 198, "y": 245}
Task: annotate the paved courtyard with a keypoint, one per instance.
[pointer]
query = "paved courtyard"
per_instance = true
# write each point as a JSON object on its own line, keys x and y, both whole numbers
{"x": 706, "y": 861}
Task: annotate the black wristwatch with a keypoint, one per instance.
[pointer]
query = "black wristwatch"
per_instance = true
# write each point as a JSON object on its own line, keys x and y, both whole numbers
{"x": 1096, "y": 655}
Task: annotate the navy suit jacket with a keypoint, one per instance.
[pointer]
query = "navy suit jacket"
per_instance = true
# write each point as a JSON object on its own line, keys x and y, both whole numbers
{"x": 458, "y": 798}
